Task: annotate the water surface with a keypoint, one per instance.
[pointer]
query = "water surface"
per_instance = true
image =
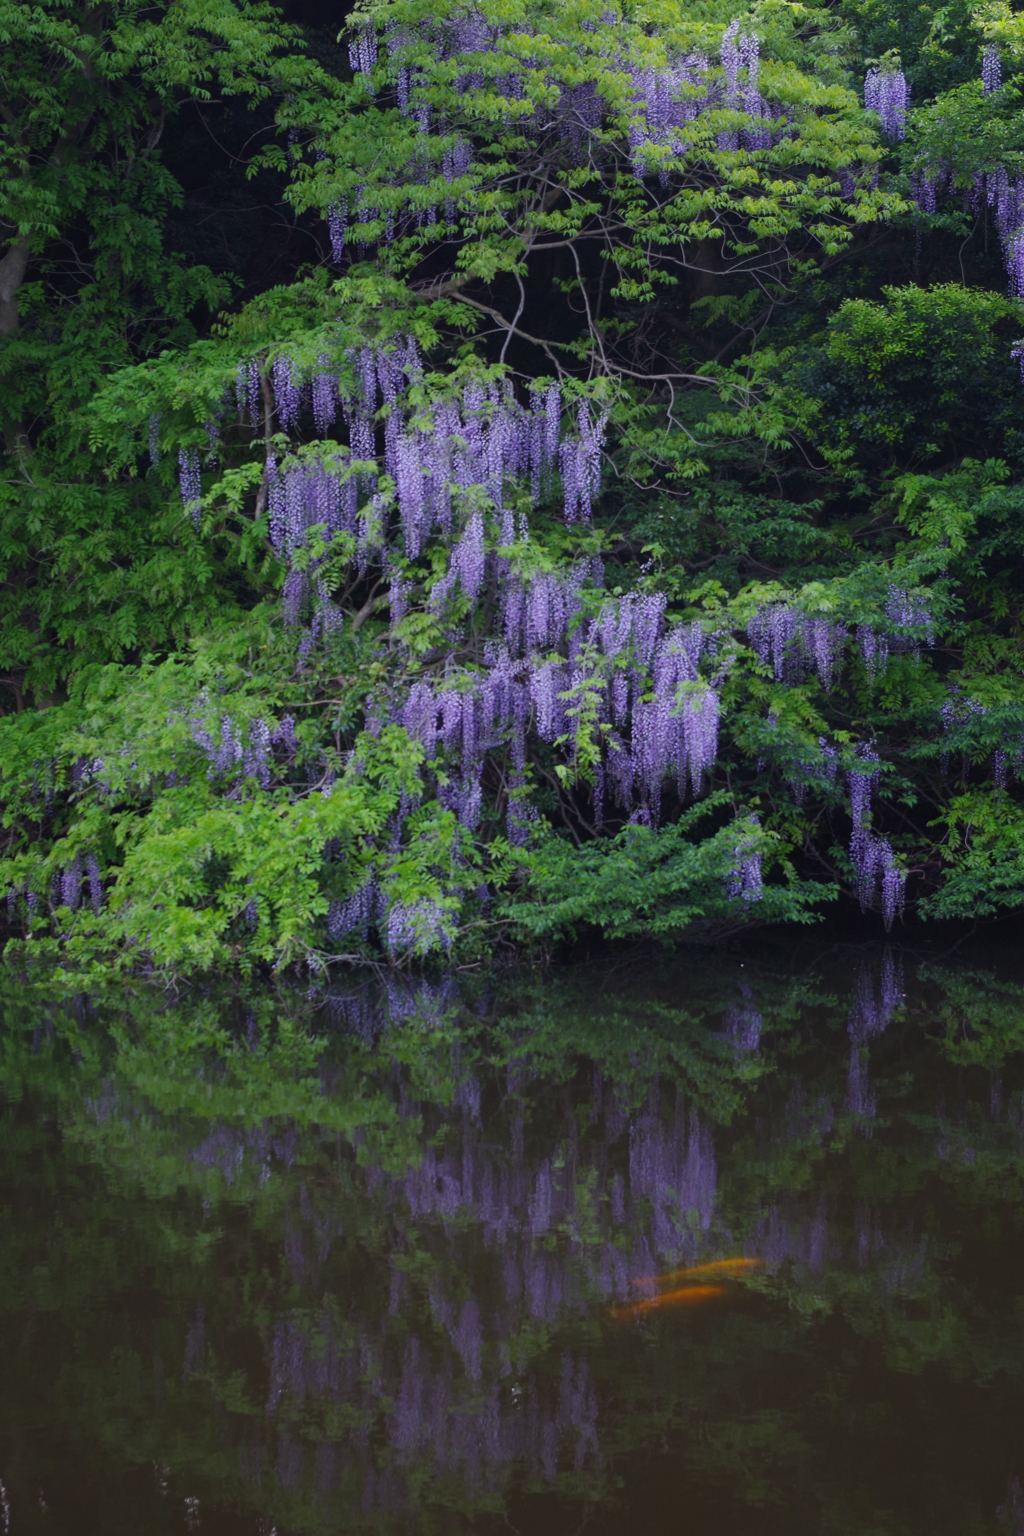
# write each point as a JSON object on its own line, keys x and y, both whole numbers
{"x": 435, "y": 1257}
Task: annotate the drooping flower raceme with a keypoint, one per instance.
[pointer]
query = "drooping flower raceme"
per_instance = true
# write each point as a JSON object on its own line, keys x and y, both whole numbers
{"x": 886, "y": 92}
{"x": 745, "y": 880}
{"x": 991, "y": 69}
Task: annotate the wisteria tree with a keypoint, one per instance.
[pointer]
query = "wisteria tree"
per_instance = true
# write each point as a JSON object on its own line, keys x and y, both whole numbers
{"x": 578, "y": 572}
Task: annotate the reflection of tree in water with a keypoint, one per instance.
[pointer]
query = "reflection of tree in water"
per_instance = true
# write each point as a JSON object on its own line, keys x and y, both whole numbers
{"x": 434, "y": 1308}
{"x": 517, "y": 1239}
{"x": 461, "y": 1393}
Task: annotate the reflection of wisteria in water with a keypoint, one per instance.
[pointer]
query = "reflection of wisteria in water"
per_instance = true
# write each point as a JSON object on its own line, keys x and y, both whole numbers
{"x": 433, "y": 1412}
{"x": 446, "y": 1386}
{"x": 672, "y": 1168}
{"x": 870, "y": 1013}
{"x": 504, "y": 1265}
{"x": 664, "y": 1199}
{"x": 743, "y": 1024}
{"x": 514, "y": 1223}
{"x": 873, "y": 1007}
{"x": 368, "y": 1010}
{"x": 234, "y": 1151}
{"x": 783, "y": 1237}
{"x": 788, "y": 1234}
{"x": 860, "y": 1099}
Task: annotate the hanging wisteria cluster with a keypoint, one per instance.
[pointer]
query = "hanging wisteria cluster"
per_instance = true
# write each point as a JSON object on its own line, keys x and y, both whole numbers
{"x": 886, "y": 92}
{"x": 234, "y": 755}
{"x": 69, "y": 886}
{"x": 1003, "y": 193}
{"x": 1005, "y": 196}
{"x": 660, "y": 718}
{"x": 873, "y": 858}
{"x": 959, "y": 713}
{"x": 991, "y": 69}
{"x": 792, "y": 645}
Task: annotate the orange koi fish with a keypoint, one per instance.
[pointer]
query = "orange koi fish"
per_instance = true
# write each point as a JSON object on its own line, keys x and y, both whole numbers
{"x": 715, "y": 1267}
{"x": 686, "y": 1296}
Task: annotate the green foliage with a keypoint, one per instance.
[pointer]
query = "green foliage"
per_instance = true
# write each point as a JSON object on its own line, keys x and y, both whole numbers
{"x": 657, "y": 883}
{"x": 923, "y": 375}
{"x": 985, "y": 854}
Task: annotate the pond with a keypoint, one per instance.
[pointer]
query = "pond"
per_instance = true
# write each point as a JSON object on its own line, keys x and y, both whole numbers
{"x": 731, "y": 1242}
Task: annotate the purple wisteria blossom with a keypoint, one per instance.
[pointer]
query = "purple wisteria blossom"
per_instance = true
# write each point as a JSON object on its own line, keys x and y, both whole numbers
{"x": 789, "y": 643}
{"x": 455, "y": 164}
{"x": 745, "y": 879}
{"x": 909, "y": 611}
{"x": 991, "y": 69}
{"x": 1005, "y": 196}
{"x": 362, "y": 51}
{"x": 730, "y": 56}
{"x": 95, "y": 878}
{"x": 325, "y": 397}
{"x": 337, "y": 227}
{"x": 824, "y": 643}
{"x": 886, "y": 92}
{"x": 354, "y": 915}
{"x": 925, "y": 186}
{"x": 239, "y": 751}
{"x": 287, "y": 392}
{"x": 753, "y": 102}
{"x": 878, "y": 873}
{"x": 665, "y": 102}
{"x": 874, "y": 650}
{"x": 189, "y": 479}
{"x": 418, "y": 928}
{"x": 71, "y": 885}
{"x": 469, "y": 559}
{"x": 581, "y": 110}
{"x": 580, "y": 462}
{"x": 1008, "y": 762}
{"x": 1013, "y": 248}
{"x": 862, "y": 779}
{"x": 247, "y": 391}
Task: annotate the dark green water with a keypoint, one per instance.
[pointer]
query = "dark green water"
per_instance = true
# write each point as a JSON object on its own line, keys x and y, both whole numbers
{"x": 381, "y": 1281}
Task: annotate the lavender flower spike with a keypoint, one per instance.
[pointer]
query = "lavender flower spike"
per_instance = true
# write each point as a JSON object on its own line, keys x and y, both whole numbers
{"x": 745, "y": 877}
{"x": 886, "y": 92}
{"x": 362, "y": 52}
{"x": 190, "y": 482}
{"x": 991, "y": 70}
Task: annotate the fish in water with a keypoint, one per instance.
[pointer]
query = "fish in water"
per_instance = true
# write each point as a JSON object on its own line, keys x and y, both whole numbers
{"x": 686, "y": 1296}
{"x": 715, "y": 1267}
